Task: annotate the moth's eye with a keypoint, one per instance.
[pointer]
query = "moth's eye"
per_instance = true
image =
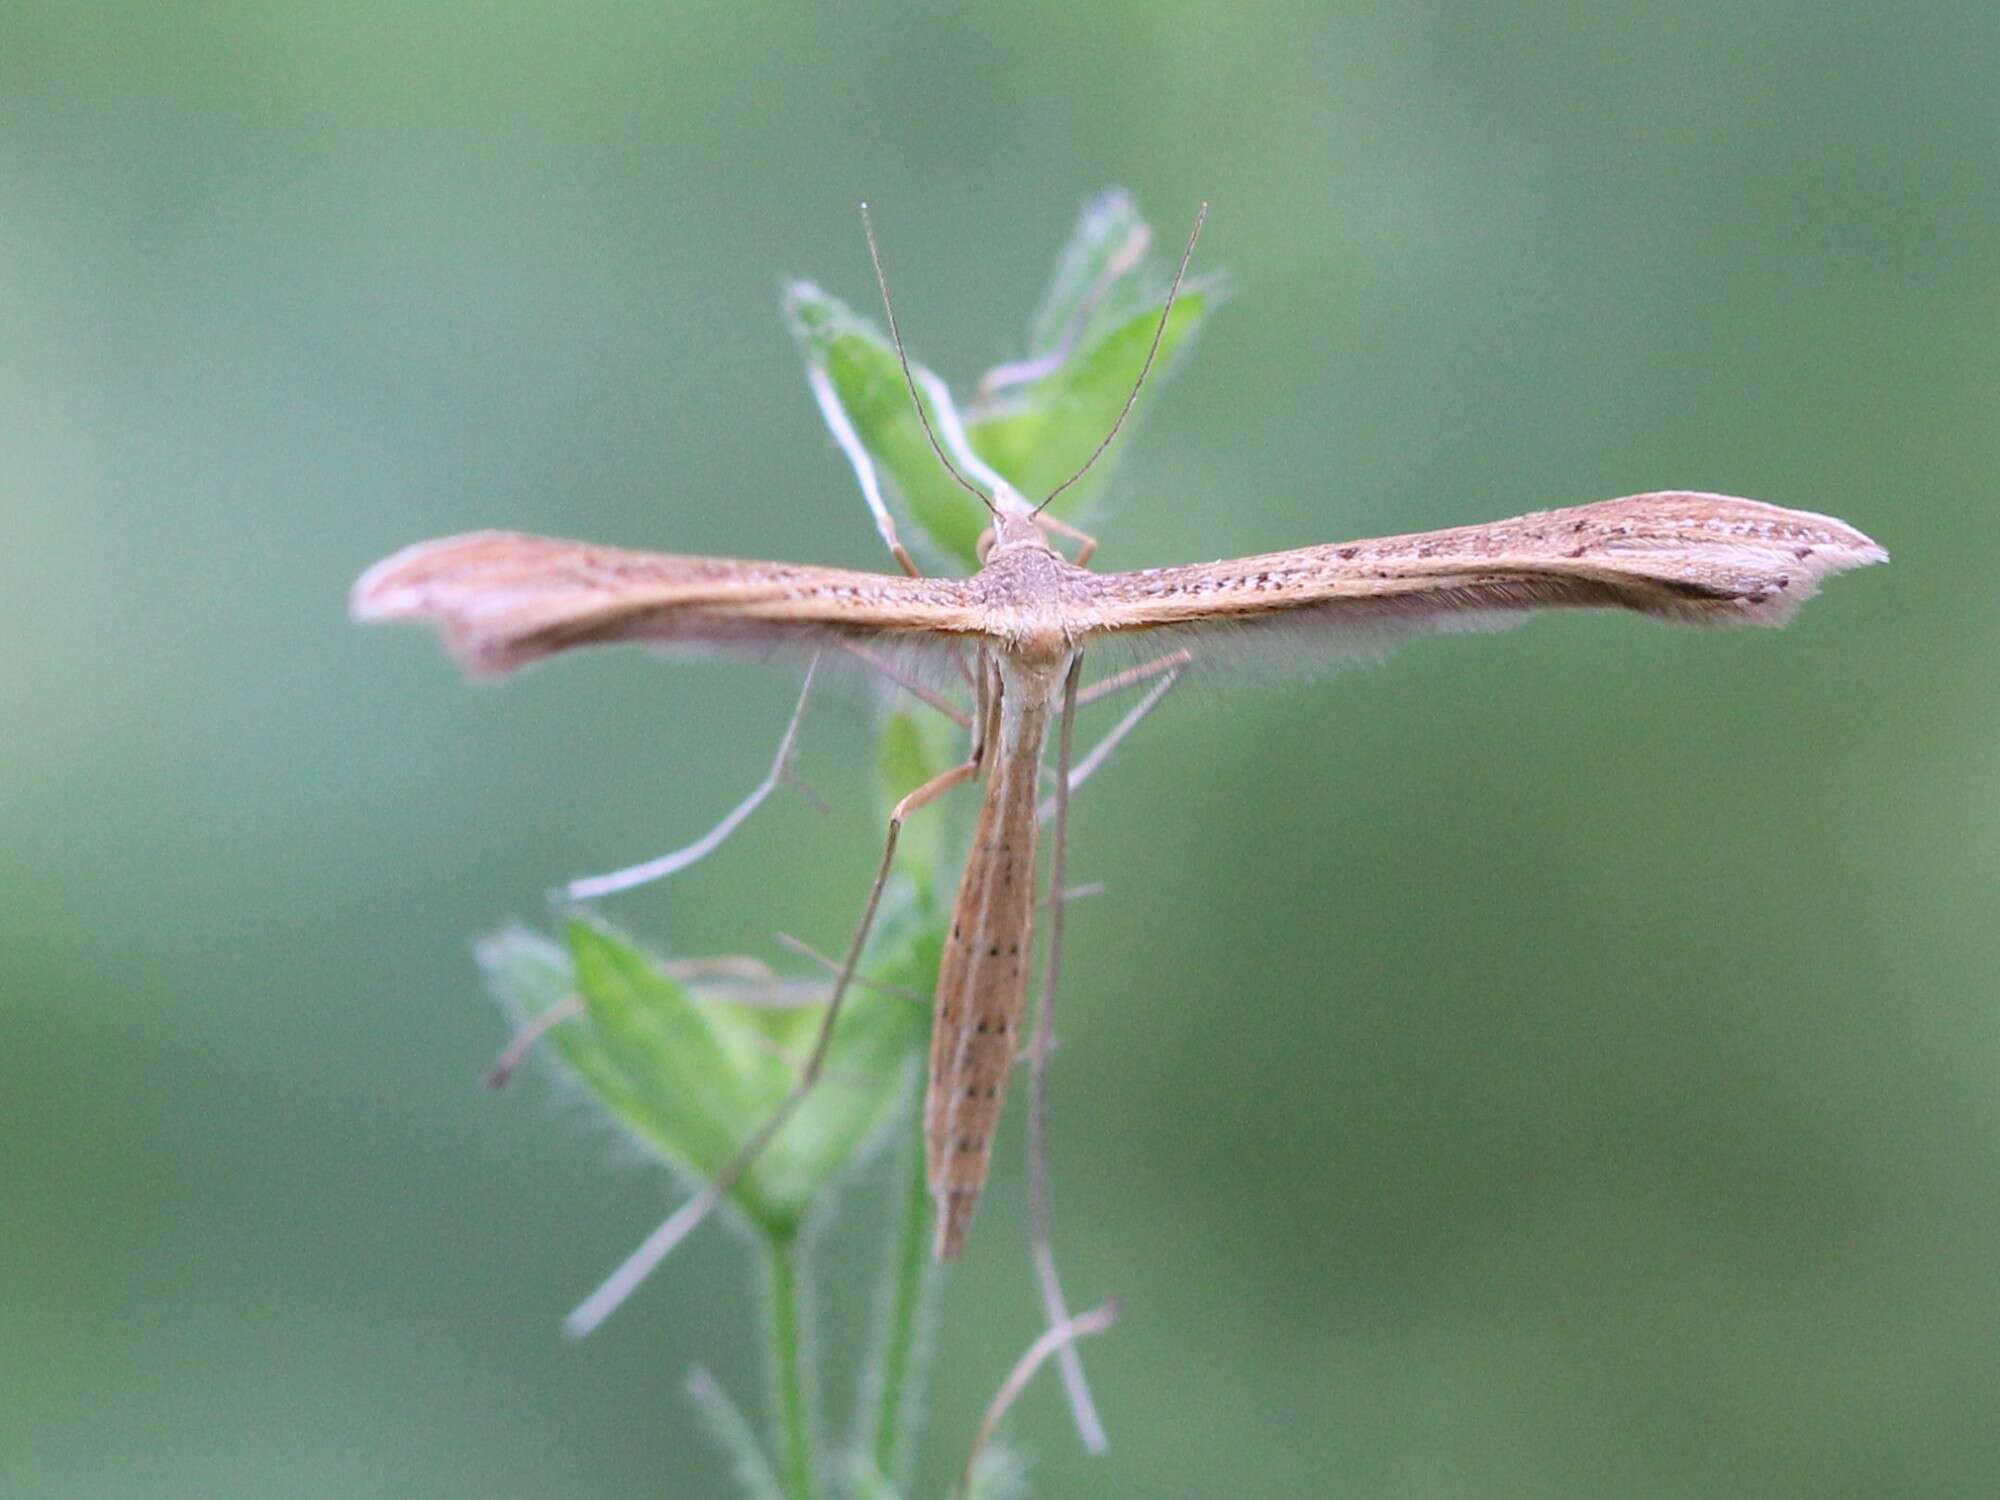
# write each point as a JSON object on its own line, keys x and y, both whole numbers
{"x": 985, "y": 548}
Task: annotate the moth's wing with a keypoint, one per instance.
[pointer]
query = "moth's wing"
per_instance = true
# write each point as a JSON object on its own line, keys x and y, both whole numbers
{"x": 502, "y": 599}
{"x": 1691, "y": 558}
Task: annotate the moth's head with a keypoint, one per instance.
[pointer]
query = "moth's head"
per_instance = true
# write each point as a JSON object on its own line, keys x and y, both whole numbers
{"x": 1014, "y": 525}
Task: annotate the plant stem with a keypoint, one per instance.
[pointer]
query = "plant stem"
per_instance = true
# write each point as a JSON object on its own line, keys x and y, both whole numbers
{"x": 907, "y": 1317}
{"x": 895, "y": 1358}
{"x": 790, "y": 1378}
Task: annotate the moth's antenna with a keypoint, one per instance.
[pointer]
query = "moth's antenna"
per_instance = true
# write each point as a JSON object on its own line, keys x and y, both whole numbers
{"x": 895, "y": 335}
{"x": 1158, "y": 333}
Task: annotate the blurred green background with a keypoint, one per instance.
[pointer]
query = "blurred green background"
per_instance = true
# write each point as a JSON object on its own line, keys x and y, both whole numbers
{"x": 1561, "y": 1063}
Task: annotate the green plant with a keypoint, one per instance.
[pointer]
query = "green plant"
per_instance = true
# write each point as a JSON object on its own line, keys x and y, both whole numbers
{"x": 690, "y": 1058}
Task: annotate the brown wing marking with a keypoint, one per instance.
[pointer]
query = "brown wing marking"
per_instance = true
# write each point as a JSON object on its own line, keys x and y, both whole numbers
{"x": 504, "y": 599}
{"x": 1694, "y": 558}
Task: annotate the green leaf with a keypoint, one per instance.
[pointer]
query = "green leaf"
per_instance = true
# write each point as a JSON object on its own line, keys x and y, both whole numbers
{"x": 692, "y": 1075}
{"x": 1108, "y": 232}
{"x": 1043, "y": 435}
{"x": 868, "y": 381}
{"x": 873, "y": 1062}
{"x": 1035, "y": 423}
{"x": 529, "y": 974}
{"x": 668, "y": 1069}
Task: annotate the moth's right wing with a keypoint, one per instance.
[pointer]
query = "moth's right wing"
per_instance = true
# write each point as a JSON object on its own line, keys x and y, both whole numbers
{"x": 1693, "y": 558}
{"x": 503, "y": 599}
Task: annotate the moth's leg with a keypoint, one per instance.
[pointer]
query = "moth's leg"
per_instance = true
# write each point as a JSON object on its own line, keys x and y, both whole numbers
{"x": 732, "y": 966}
{"x": 1168, "y": 669}
{"x": 1068, "y": 778}
{"x": 772, "y": 994}
{"x": 770, "y": 1046}
{"x": 1088, "y": 543}
{"x": 523, "y": 1041}
{"x": 832, "y": 966}
{"x": 1055, "y": 1310}
{"x": 721, "y": 966}
{"x": 1059, "y": 1337}
{"x": 914, "y": 688}
{"x": 592, "y": 886}
{"x": 1173, "y": 661}
{"x": 1077, "y": 893}
{"x": 737, "y": 978}
{"x": 600, "y": 1303}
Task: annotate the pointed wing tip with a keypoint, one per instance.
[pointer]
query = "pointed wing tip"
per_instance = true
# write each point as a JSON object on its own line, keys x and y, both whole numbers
{"x": 399, "y": 586}
{"x": 1861, "y": 549}
{"x": 1829, "y": 558}
{"x": 1843, "y": 545}
{"x": 1844, "y": 549}
{"x": 1785, "y": 554}
{"x": 386, "y": 591}
{"x": 377, "y": 595}
{"x": 404, "y": 587}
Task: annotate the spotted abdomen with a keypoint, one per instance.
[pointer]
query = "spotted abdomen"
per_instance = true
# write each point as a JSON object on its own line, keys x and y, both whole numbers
{"x": 983, "y": 985}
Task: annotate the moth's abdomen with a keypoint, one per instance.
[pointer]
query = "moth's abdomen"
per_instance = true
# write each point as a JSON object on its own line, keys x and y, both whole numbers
{"x": 982, "y": 990}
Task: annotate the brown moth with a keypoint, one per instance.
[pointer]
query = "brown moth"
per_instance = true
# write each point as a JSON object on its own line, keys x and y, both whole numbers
{"x": 1023, "y": 625}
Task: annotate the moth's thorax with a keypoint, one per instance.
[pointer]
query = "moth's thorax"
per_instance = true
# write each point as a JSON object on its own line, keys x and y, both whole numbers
{"x": 1033, "y": 597}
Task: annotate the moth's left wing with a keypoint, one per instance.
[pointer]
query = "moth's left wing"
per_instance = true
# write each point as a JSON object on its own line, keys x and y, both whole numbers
{"x": 503, "y": 599}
